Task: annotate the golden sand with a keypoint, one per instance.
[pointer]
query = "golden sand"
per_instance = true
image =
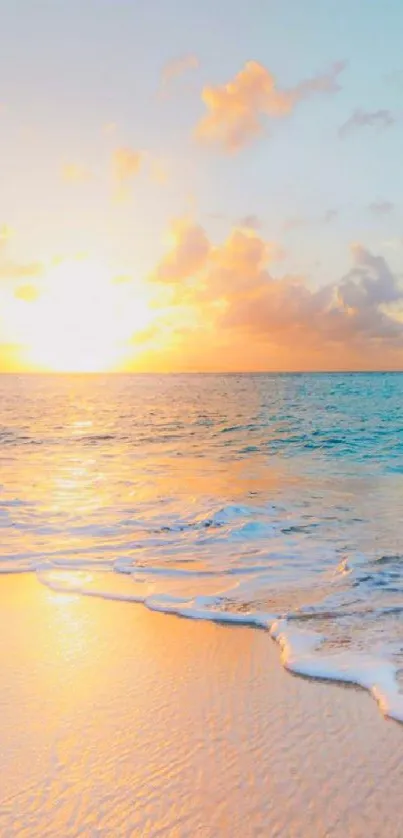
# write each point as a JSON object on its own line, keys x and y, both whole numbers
{"x": 120, "y": 722}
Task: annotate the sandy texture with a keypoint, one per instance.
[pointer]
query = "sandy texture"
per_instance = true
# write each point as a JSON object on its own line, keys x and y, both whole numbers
{"x": 116, "y": 721}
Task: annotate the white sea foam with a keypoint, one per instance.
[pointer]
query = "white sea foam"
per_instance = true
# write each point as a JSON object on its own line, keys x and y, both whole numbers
{"x": 300, "y": 653}
{"x": 300, "y": 649}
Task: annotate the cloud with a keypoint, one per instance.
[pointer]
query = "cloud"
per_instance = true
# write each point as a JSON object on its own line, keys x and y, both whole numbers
{"x": 237, "y": 266}
{"x": 158, "y": 172}
{"x": 177, "y": 67}
{"x": 330, "y": 215}
{"x": 381, "y": 207}
{"x": 74, "y": 173}
{"x": 236, "y": 110}
{"x": 250, "y": 222}
{"x": 6, "y": 233}
{"x": 126, "y": 164}
{"x": 358, "y": 308}
{"x": 188, "y": 254}
{"x": 235, "y": 294}
{"x": 14, "y": 270}
{"x": 364, "y": 119}
{"x": 370, "y": 283}
{"x": 11, "y": 270}
{"x": 295, "y": 222}
{"x": 110, "y": 128}
{"x": 29, "y": 293}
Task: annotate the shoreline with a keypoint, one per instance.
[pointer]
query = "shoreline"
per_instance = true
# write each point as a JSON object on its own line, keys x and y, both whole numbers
{"x": 299, "y": 648}
{"x": 116, "y": 720}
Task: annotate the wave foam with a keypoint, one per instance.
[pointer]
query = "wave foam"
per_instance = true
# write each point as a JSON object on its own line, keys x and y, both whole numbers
{"x": 301, "y": 651}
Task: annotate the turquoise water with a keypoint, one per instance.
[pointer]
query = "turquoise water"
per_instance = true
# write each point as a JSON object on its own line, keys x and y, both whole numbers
{"x": 252, "y": 498}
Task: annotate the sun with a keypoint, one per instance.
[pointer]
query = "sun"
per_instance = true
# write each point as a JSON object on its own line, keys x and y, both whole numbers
{"x": 81, "y": 321}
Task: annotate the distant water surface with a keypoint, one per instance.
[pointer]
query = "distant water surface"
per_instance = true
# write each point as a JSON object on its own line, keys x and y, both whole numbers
{"x": 255, "y": 498}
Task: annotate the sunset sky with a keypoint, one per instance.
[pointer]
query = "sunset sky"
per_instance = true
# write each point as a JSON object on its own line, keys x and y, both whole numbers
{"x": 201, "y": 185}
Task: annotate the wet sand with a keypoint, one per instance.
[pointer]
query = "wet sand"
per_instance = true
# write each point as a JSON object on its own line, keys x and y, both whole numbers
{"x": 116, "y": 721}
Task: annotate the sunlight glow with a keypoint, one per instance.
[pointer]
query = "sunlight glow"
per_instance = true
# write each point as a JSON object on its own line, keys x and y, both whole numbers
{"x": 80, "y": 320}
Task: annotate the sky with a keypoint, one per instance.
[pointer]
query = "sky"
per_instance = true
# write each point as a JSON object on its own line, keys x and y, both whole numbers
{"x": 190, "y": 186}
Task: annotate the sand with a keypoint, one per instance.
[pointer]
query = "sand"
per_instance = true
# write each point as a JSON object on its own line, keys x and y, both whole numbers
{"x": 116, "y": 721}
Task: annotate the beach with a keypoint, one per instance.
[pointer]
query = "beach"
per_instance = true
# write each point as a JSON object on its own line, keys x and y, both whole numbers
{"x": 119, "y": 721}
{"x": 201, "y": 419}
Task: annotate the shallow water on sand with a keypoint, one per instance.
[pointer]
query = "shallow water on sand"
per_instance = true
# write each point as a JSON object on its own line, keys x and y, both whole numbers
{"x": 256, "y": 498}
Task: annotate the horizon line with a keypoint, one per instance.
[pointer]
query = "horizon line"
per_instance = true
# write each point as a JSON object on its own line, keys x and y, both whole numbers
{"x": 99, "y": 373}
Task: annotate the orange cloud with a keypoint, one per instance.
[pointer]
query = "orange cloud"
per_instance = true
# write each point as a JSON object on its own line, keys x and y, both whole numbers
{"x": 201, "y": 271}
{"x": 237, "y": 267}
{"x": 73, "y": 173}
{"x": 359, "y": 309}
{"x": 235, "y": 111}
{"x": 126, "y": 164}
{"x": 177, "y": 67}
{"x": 187, "y": 256}
{"x": 239, "y": 302}
{"x": 16, "y": 270}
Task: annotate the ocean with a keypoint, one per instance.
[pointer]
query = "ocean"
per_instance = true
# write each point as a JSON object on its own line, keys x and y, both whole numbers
{"x": 269, "y": 499}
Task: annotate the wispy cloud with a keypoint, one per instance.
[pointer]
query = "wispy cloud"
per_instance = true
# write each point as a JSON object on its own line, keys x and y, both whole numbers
{"x": 381, "y": 207}
{"x": 367, "y": 119}
{"x": 236, "y": 110}
{"x": 126, "y": 164}
{"x": 10, "y": 269}
{"x": 15, "y": 270}
{"x": 175, "y": 68}
{"x": 250, "y": 222}
{"x": 295, "y": 222}
{"x": 74, "y": 173}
